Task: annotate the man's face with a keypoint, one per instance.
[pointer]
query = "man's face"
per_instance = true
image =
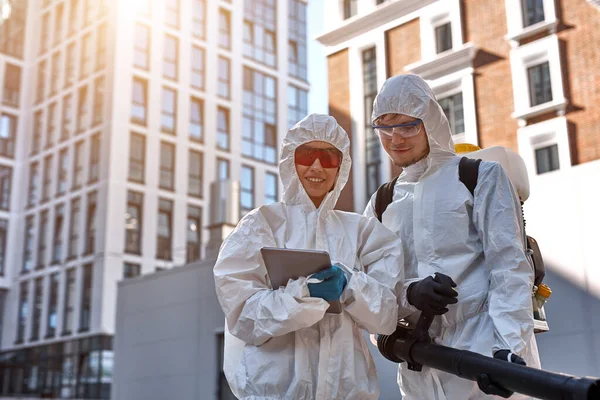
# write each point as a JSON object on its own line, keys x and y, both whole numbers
{"x": 403, "y": 151}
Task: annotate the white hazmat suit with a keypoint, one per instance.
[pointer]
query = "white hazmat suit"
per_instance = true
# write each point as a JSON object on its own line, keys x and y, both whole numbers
{"x": 279, "y": 342}
{"x": 478, "y": 241}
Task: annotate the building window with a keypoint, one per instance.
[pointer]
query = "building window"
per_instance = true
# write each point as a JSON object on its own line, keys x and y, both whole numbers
{"x": 141, "y": 55}
{"x": 198, "y": 18}
{"x": 32, "y": 197}
{"x": 47, "y": 178}
{"x": 74, "y": 16}
{"x": 86, "y": 56}
{"x": 12, "y": 31}
{"x": 90, "y": 224}
{"x": 167, "y": 166}
{"x": 139, "y": 102}
{"x": 196, "y": 119}
{"x": 131, "y": 270}
{"x": 224, "y": 78}
{"x": 94, "y": 158}
{"x": 67, "y": 117}
{"x": 44, "y": 32}
{"x": 89, "y": 11}
{"x": 133, "y": 223}
{"x": 69, "y": 304}
{"x": 372, "y": 145}
{"x": 5, "y": 187}
{"x": 169, "y": 110}
{"x": 222, "y": 128}
{"x": 246, "y": 190}
{"x": 164, "y": 230}
{"x": 533, "y": 12}
{"x": 260, "y": 25}
{"x": 12, "y": 85}
{"x": 63, "y": 172}
{"x": 98, "y": 101}
{"x": 51, "y": 319}
{"x": 37, "y": 308}
{"x": 297, "y": 39}
{"x": 350, "y": 8}
{"x": 41, "y": 82}
{"x": 69, "y": 68}
{"x": 224, "y": 29}
{"x": 101, "y": 47}
{"x": 297, "y": 105}
{"x": 546, "y": 159}
{"x": 28, "y": 248}
{"x": 222, "y": 169}
{"x": 58, "y": 23}
{"x": 137, "y": 158}
{"x": 78, "y": 165}
{"x": 23, "y": 311}
{"x": 453, "y": 108}
{"x": 197, "y": 78}
{"x": 51, "y": 126}
{"x": 8, "y": 130}
{"x": 170, "y": 53}
{"x": 3, "y": 236}
{"x": 259, "y": 129}
{"x": 42, "y": 240}
{"x": 443, "y": 37}
{"x": 195, "y": 173}
{"x": 54, "y": 73}
{"x": 57, "y": 245}
{"x": 540, "y": 86}
{"x": 194, "y": 229}
{"x": 36, "y": 140}
{"x": 74, "y": 228}
{"x": 82, "y": 109}
{"x": 86, "y": 299}
{"x": 172, "y": 13}
{"x": 270, "y": 188}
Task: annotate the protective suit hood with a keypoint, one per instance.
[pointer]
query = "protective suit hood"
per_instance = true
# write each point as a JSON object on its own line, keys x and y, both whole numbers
{"x": 410, "y": 95}
{"x": 311, "y": 128}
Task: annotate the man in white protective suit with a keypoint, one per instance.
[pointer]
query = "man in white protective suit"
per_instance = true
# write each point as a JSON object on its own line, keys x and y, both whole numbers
{"x": 279, "y": 342}
{"x": 476, "y": 239}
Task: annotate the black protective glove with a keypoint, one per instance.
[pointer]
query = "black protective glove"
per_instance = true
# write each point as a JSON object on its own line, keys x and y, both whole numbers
{"x": 506, "y": 355}
{"x": 487, "y": 386}
{"x": 432, "y": 295}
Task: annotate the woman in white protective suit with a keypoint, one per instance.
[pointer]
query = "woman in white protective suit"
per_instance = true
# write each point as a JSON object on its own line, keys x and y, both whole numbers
{"x": 279, "y": 342}
{"x": 477, "y": 240}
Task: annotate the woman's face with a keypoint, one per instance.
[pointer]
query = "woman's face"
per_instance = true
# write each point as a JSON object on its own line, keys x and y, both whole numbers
{"x": 317, "y": 165}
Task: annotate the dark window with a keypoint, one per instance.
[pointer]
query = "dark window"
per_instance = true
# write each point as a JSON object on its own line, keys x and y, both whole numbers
{"x": 63, "y": 172}
{"x": 164, "y": 233}
{"x": 350, "y": 8}
{"x": 533, "y": 12}
{"x": 297, "y": 105}
{"x": 172, "y": 13}
{"x": 246, "y": 190}
{"x": 67, "y": 117}
{"x": 194, "y": 233}
{"x": 23, "y": 311}
{"x": 169, "y": 110}
{"x": 222, "y": 169}
{"x": 69, "y": 304}
{"x": 70, "y": 67}
{"x": 94, "y": 172}
{"x": 83, "y": 115}
{"x": 42, "y": 240}
{"x": 74, "y": 228}
{"x": 8, "y": 130}
{"x": 196, "y": 119}
{"x": 224, "y": 29}
{"x": 36, "y": 140}
{"x": 3, "y": 236}
{"x": 372, "y": 145}
{"x": 197, "y": 78}
{"x": 540, "y": 86}
{"x": 41, "y": 82}
{"x": 195, "y": 171}
{"x": 223, "y": 88}
{"x": 51, "y": 127}
{"x": 133, "y": 223}
{"x": 37, "y": 308}
{"x": 12, "y": 85}
{"x": 141, "y": 55}
{"x": 139, "y": 103}
{"x": 58, "y": 23}
{"x": 57, "y": 246}
{"x": 33, "y": 184}
{"x": 90, "y": 224}
{"x": 78, "y": 165}
{"x": 44, "y": 32}
{"x": 199, "y": 18}
{"x": 131, "y": 270}
{"x": 170, "y": 55}
{"x": 101, "y": 47}
{"x": 443, "y": 37}
{"x": 270, "y": 188}
{"x": 260, "y": 25}
{"x": 47, "y": 178}
{"x": 259, "y": 129}
{"x": 12, "y": 31}
{"x": 137, "y": 157}
{"x": 222, "y": 128}
{"x": 86, "y": 299}
{"x": 453, "y": 108}
{"x": 167, "y": 166}
{"x": 51, "y": 319}
{"x": 54, "y": 73}
{"x": 98, "y": 101}
{"x": 87, "y": 52}
{"x": 546, "y": 159}
{"x": 297, "y": 39}
{"x": 5, "y": 187}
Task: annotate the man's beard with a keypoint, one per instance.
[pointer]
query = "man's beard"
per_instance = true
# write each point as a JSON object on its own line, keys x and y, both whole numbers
{"x": 415, "y": 160}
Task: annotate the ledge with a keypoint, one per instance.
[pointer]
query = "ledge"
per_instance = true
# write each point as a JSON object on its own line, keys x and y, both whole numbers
{"x": 444, "y": 63}
{"x": 383, "y": 14}
{"x": 555, "y": 105}
{"x": 515, "y": 38}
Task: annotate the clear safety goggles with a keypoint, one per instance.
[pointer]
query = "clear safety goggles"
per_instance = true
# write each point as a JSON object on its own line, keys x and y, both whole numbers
{"x": 405, "y": 130}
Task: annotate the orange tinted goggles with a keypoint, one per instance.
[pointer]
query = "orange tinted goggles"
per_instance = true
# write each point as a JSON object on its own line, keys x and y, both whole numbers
{"x": 329, "y": 158}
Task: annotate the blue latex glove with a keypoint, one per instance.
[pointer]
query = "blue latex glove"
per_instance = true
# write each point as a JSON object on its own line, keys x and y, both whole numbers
{"x": 334, "y": 282}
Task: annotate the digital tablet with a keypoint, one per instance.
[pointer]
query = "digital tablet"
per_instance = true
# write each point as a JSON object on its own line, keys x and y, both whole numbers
{"x": 285, "y": 264}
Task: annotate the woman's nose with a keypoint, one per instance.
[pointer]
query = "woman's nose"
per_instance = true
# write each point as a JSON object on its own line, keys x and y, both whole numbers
{"x": 316, "y": 165}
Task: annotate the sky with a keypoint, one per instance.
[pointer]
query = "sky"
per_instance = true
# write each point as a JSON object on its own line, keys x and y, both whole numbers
{"x": 317, "y": 63}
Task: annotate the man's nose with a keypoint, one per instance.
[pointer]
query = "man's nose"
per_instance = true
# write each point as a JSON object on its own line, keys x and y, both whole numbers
{"x": 397, "y": 138}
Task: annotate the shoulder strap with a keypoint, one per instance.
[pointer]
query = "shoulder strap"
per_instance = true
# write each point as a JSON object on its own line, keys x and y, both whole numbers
{"x": 384, "y": 197}
{"x": 468, "y": 172}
